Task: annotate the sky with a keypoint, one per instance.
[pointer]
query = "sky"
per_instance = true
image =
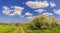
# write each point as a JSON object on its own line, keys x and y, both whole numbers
{"x": 21, "y": 11}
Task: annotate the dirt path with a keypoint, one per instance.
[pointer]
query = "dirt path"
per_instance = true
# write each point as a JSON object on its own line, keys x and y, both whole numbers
{"x": 16, "y": 31}
{"x": 22, "y": 30}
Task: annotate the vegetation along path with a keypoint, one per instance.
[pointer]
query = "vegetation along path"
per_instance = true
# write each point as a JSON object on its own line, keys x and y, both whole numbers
{"x": 20, "y": 29}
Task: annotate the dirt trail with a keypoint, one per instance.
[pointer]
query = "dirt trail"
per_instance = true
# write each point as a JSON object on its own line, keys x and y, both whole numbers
{"x": 22, "y": 30}
{"x": 16, "y": 31}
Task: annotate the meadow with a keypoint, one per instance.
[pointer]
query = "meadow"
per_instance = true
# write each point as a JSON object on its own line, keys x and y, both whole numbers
{"x": 6, "y": 28}
{"x": 24, "y": 29}
{"x": 40, "y": 24}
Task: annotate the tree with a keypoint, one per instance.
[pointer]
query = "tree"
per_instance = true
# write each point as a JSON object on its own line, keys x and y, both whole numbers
{"x": 35, "y": 23}
{"x": 52, "y": 21}
{"x": 42, "y": 20}
{"x": 38, "y": 21}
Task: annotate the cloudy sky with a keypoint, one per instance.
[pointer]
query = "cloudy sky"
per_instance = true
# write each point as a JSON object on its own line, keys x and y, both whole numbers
{"x": 12, "y": 11}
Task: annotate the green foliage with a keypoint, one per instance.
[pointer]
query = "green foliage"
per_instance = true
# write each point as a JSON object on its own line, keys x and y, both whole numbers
{"x": 42, "y": 21}
{"x": 49, "y": 30}
{"x": 44, "y": 27}
{"x": 6, "y": 28}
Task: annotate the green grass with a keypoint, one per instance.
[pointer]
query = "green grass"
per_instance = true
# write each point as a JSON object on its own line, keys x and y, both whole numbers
{"x": 10, "y": 28}
{"x": 6, "y": 28}
{"x": 50, "y": 30}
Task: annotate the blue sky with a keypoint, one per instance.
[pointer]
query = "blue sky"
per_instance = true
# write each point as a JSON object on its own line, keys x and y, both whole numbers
{"x": 12, "y": 11}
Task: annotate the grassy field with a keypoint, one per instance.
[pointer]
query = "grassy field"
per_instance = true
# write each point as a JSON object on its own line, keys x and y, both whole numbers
{"x": 51, "y": 30}
{"x": 24, "y": 29}
{"x": 55, "y": 29}
{"x": 6, "y": 28}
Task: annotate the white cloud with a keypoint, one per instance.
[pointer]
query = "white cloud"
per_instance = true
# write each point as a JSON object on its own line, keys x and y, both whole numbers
{"x": 5, "y": 7}
{"x": 28, "y": 14}
{"x": 47, "y": 14}
{"x": 37, "y": 4}
{"x": 57, "y": 11}
{"x": 40, "y": 10}
{"x": 52, "y": 4}
{"x": 16, "y": 11}
{"x": 30, "y": 18}
{"x": 22, "y": 16}
{"x": 6, "y": 10}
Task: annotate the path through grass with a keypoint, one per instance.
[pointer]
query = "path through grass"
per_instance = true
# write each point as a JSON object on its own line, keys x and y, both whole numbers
{"x": 18, "y": 30}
